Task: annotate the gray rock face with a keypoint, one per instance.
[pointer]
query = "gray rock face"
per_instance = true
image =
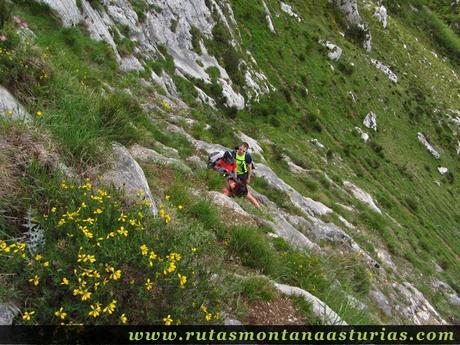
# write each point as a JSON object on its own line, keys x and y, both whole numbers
{"x": 361, "y": 195}
{"x": 428, "y": 146}
{"x": 417, "y": 308}
{"x": 447, "y": 290}
{"x": 443, "y": 170}
{"x": 196, "y": 162}
{"x": 307, "y": 205}
{"x": 382, "y": 15}
{"x": 127, "y": 175}
{"x": 355, "y": 303}
{"x": 166, "y": 150}
{"x": 10, "y": 108}
{"x": 204, "y": 98}
{"x": 383, "y": 255}
{"x": 367, "y": 43}
{"x": 130, "y": 64}
{"x": 370, "y": 121}
{"x": 268, "y": 16}
{"x": 319, "y": 308}
{"x": 385, "y": 69}
{"x": 148, "y": 155}
{"x": 335, "y": 52}
{"x": 199, "y": 144}
{"x": 382, "y": 302}
{"x": 350, "y": 9}
{"x": 317, "y": 143}
{"x": 363, "y": 134}
{"x": 294, "y": 167}
{"x": 157, "y": 30}
{"x": 227, "y": 202}
{"x": 288, "y": 9}
{"x": 8, "y": 312}
{"x": 98, "y": 24}
{"x": 454, "y": 300}
{"x": 67, "y": 10}
{"x": 283, "y": 227}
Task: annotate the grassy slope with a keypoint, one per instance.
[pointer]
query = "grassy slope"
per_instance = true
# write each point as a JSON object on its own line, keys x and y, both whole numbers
{"x": 292, "y": 60}
{"x": 404, "y": 179}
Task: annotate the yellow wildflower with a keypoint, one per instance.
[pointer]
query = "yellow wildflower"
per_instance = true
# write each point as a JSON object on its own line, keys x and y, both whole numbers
{"x": 38, "y": 257}
{"x": 148, "y": 284}
{"x": 95, "y": 310}
{"x": 46, "y": 264}
{"x": 123, "y": 231}
{"x": 122, "y": 217}
{"x": 180, "y": 207}
{"x": 87, "y": 186}
{"x": 27, "y": 315}
{"x": 174, "y": 256}
{"x": 60, "y": 313}
{"x": 53, "y": 210}
{"x": 167, "y": 197}
{"x": 123, "y": 319}
{"x": 167, "y": 320}
{"x": 65, "y": 281}
{"x": 98, "y": 211}
{"x": 152, "y": 255}
{"x": 110, "y": 234}
{"x": 86, "y": 257}
{"x": 203, "y": 308}
{"x": 35, "y": 280}
{"x": 182, "y": 280}
{"x": 144, "y": 250}
{"x": 194, "y": 249}
{"x": 89, "y": 220}
{"x": 114, "y": 274}
{"x": 208, "y": 317}
{"x": 171, "y": 268}
{"x": 39, "y": 114}
{"x": 86, "y": 295}
{"x": 110, "y": 308}
{"x": 61, "y": 222}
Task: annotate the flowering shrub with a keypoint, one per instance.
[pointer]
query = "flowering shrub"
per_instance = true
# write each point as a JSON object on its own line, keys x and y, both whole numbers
{"x": 24, "y": 68}
{"x": 104, "y": 264}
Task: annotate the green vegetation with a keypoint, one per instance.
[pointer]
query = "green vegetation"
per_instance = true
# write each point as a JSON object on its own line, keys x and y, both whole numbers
{"x": 72, "y": 87}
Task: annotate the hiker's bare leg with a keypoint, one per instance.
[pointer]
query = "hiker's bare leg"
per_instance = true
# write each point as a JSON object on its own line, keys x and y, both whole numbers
{"x": 253, "y": 200}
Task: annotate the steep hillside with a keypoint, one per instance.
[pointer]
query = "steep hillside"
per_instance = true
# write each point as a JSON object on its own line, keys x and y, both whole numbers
{"x": 108, "y": 110}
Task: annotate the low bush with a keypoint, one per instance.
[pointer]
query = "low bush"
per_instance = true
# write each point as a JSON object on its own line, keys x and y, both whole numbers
{"x": 102, "y": 263}
{"x": 309, "y": 123}
{"x": 254, "y": 249}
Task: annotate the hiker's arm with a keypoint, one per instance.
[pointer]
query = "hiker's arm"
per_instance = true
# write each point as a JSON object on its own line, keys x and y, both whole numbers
{"x": 249, "y": 173}
{"x": 253, "y": 200}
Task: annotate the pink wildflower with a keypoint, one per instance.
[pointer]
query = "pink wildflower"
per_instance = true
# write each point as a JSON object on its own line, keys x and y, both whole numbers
{"x": 24, "y": 24}
{"x": 17, "y": 20}
{"x": 2, "y": 38}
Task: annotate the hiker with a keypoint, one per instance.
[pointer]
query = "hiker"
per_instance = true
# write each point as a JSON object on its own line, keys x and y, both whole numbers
{"x": 239, "y": 189}
{"x": 226, "y": 165}
{"x": 244, "y": 163}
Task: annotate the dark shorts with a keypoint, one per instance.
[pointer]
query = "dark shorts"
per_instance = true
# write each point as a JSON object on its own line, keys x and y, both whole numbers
{"x": 243, "y": 177}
